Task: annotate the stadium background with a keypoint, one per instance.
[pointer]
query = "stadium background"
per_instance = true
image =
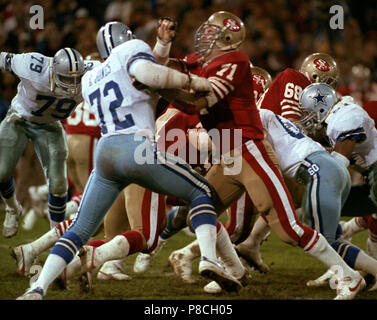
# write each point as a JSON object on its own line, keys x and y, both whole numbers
{"x": 279, "y": 34}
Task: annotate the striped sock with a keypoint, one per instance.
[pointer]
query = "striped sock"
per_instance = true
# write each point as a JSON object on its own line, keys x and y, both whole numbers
{"x": 203, "y": 220}
{"x": 56, "y": 208}
{"x": 7, "y": 188}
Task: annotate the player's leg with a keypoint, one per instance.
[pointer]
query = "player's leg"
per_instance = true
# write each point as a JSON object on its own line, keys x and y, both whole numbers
{"x": 265, "y": 185}
{"x": 13, "y": 141}
{"x": 51, "y": 147}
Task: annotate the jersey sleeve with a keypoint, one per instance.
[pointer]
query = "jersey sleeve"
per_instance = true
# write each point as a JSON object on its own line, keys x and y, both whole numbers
{"x": 139, "y": 50}
{"x": 26, "y": 65}
{"x": 348, "y": 127}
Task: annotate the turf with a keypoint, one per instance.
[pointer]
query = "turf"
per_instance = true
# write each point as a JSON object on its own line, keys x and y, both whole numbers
{"x": 291, "y": 268}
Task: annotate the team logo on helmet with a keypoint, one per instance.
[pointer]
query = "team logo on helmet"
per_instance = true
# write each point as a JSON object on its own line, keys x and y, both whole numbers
{"x": 321, "y": 65}
{"x": 320, "y": 98}
{"x": 259, "y": 79}
{"x": 232, "y": 24}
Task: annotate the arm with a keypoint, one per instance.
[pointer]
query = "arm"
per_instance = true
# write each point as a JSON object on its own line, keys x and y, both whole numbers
{"x": 166, "y": 33}
{"x": 6, "y": 61}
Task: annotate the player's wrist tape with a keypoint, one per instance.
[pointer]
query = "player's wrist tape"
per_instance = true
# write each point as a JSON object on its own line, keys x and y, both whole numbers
{"x": 162, "y": 48}
{"x": 340, "y": 158}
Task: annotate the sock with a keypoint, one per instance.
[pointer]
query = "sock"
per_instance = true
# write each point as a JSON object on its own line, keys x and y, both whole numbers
{"x": 120, "y": 246}
{"x": 48, "y": 239}
{"x": 227, "y": 253}
{"x": 7, "y": 189}
{"x": 52, "y": 268}
{"x": 174, "y": 224}
{"x": 258, "y": 233}
{"x": 366, "y": 263}
{"x": 67, "y": 246}
{"x": 203, "y": 220}
{"x": 56, "y": 208}
{"x": 321, "y": 250}
{"x": 353, "y": 226}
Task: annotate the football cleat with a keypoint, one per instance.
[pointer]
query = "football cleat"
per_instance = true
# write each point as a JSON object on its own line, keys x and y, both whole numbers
{"x": 182, "y": 266}
{"x": 29, "y": 220}
{"x": 213, "y": 270}
{"x": 212, "y": 287}
{"x": 348, "y": 287}
{"x": 323, "y": 280}
{"x": 142, "y": 262}
{"x": 11, "y": 221}
{"x": 32, "y": 294}
{"x": 253, "y": 257}
{"x": 112, "y": 270}
{"x": 25, "y": 258}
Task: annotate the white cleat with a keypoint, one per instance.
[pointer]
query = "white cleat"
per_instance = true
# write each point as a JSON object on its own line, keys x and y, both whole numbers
{"x": 323, "y": 280}
{"x": 253, "y": 257}
{"x": 32, "y": 294}
{"x": 112, "y": 270}
{"x": 182, "y": 266}
{"x": 25, "y": 258}
{"x": 212, "y": 288}
{"x": 11, "y": 221}
{"x": 142, "y": 262}
{"x": 348, "y": 287}
{"x": 213, "y": 270}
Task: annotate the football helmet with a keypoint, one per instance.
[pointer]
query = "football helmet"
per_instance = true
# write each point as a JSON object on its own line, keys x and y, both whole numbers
{"x": 222, "y": 28}
{"x": 261, "y": 75}
{"x": 67, "y": 69}
{"x": 316, "y": 102}
{"x": 321, "y": 67}
{"x": 111, "y": 35}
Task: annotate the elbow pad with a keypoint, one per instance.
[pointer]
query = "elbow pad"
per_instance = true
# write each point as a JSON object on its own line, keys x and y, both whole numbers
{"x": 157, "y": 76}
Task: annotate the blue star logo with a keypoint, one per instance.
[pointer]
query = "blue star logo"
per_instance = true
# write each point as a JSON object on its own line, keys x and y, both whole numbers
{"x": 320, "y": 98}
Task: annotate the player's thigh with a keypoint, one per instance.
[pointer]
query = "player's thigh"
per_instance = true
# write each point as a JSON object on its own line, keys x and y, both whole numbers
{"x": 116, "y": 220}
{"x": 228, "y": 188}
{"x": 13, "y": 141}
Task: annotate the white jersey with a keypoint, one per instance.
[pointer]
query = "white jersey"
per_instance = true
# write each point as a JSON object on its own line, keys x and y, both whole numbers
{"x": 348, "y": 120}
{"x": 290, "y": 144}
{"x": 34, "y": 100}
{"x": 119, "y": 107}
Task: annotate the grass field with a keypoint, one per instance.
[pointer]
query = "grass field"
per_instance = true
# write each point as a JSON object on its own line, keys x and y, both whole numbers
{"x": 291, "y": 268}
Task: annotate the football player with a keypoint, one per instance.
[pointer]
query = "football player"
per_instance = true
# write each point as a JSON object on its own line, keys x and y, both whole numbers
{"x": 130, "y": 122}
{"x": 48, "y": 92}
{"x": 351, "y": 133}
{"x": 230, "y": 105}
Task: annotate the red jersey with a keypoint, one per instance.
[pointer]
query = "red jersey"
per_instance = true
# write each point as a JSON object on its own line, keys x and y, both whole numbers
{"x": 232, "y": 83}
{"x": 360, "y": 97}
{"x": 371, "y": 108}
{"x": 173, "y": 134}
{"x": 83, "y": 121}
{"x": 282, "y": 96}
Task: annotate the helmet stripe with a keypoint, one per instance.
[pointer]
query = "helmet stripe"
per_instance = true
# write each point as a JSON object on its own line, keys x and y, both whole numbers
{"x": 107, "y": 37}
{"x": 76, "y": 64}
{"x": 111, "y": 36}
{"x": 104, "y": 42}
{"x": 69, "y": 58}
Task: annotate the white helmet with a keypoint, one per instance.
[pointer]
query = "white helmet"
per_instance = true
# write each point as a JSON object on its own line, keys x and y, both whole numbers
{"x": 111, "y": 35}
{"x": 316, "y": 102}
{"x": 67, "y": 70}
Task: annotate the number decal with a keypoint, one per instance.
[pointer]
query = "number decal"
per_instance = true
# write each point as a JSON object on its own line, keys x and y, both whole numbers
{"x": 225, "y": 68}
{"x": 119, "y": 125}
{"x": 36, "y": 67}
{"x": 96, "y": 95}
{"x": 292, "y": 91}
{"x": 82, "y": 114}
{"x": 65, "y": 111}
{"x": 113, "y": 105}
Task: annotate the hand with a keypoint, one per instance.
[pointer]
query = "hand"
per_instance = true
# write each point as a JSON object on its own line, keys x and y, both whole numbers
{"x": 167, "y": 29}
{"x": 200, "y": 84}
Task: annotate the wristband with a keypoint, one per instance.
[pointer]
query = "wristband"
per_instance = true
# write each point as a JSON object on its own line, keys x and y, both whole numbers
{"x": 161, "y": 48}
